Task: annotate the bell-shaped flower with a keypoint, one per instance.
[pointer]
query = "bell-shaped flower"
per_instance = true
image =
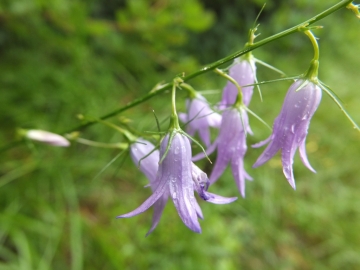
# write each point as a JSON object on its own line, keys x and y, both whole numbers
{"x": 144, "y": 154}
{"x": 291, "y": 127}
{"x": 243, "y": 71}
{"x": 199, "y": 118}
{"x": 176, "y": 177}
{"x": 46, "y": 137}
{"x": 231, "y": 147}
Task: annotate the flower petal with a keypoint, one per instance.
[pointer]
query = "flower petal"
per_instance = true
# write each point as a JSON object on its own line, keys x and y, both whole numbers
{"x": 159, "y": 206}
{"x": 262, "y": 143}
{"x": 204, "y": 134}
{"x": 217, "y": 199}
{"x": 149, "y": 165}
{"x": 159, "y": 191}
{"x": 198, "y": 210}
{"x": 303, "y": 156}
{"x": 238, "y": 171}
{"x": 220, "y": 166}
{"x": 208, "y": 152}
{"x": 287, "y": 158}
{"x": 183, "y": 117}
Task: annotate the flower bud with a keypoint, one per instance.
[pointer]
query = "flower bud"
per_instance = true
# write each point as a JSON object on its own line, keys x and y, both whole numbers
{"x": 47, "y": 137}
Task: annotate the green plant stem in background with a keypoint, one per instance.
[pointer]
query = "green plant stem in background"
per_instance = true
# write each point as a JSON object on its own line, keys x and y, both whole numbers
{"x": 162, "y": 88}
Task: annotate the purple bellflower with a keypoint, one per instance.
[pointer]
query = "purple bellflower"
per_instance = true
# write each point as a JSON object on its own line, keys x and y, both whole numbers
{"x": 243, "y": 71}
{"x": 231, "y": 147}
{"x": 199, "y": 118}
{"x": 177, "y": 177}
{"x": 291, "y": 127}
{"x": 149, "y": 163}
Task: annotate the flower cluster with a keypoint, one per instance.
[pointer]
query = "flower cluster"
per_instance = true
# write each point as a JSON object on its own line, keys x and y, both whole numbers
{"x": 171, "y": 171}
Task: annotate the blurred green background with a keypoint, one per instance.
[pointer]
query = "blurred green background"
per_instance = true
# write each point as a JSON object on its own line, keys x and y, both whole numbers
{"x": 61, "y": 58}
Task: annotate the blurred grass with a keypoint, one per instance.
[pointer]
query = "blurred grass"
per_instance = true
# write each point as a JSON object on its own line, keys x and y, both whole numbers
{"x": 62, "y": 58}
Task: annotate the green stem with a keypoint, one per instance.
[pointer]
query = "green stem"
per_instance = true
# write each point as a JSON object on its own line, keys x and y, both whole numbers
{"x": 174, "y": 120}
{"x": 239, "y": 98}
{"x": 122, "y": 146}
{"x": 314, "y": 43}
{"x": 191, "y": 91}
{"x": 312, "y": 72}
{"x": 206, "y": 68}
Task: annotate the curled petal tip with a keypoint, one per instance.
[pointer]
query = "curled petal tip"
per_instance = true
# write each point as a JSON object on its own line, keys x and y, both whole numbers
{"x": 303, "y": 157}
{"x": 292, "y": 183}
{"x": 217, "y": 199}
{"x": 196, "y": 230}
{"x": 257, "y": 164}
{"x": 149, "y": 232}
{"x": 288, "y": 172}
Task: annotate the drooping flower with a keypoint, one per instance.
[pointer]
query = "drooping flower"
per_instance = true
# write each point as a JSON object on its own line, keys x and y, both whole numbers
{"x": 199, "y": 118}
{"x": 291, "y": 127}
{"x": 231, "y": 147}
{"x": 46, "y": 137}
{"x": 243, "y": 71}
{"x": 176, "y": 177}
{"x": 143, "y": 153}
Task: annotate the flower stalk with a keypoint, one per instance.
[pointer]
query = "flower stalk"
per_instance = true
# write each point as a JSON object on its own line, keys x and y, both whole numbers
{"x": 312, "y": 72}
{"x": 174, "y": 119}
{"x": 239, "y": 98}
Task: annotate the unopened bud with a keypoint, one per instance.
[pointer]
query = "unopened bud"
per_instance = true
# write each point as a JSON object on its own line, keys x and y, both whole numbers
{"x": 47, "y": 137}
